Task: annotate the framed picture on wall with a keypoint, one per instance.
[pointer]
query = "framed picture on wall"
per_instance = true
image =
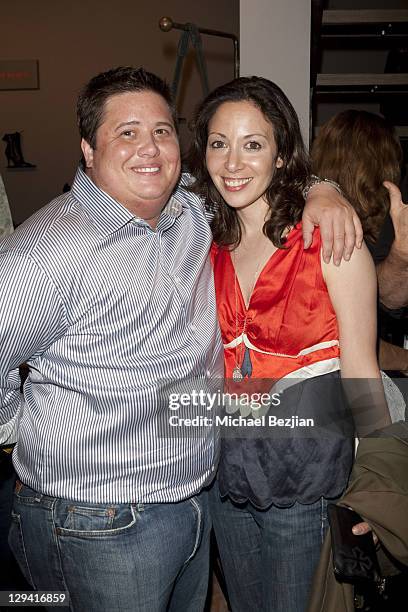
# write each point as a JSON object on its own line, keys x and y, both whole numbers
{"x": 19, "y": 74}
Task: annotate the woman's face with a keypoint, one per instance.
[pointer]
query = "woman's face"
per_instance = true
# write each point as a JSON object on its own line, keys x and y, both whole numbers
{"x": 241, "y": 154}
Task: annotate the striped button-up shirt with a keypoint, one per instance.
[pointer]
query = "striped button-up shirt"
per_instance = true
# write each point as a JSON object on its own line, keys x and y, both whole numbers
{"x": 111, "y": 317}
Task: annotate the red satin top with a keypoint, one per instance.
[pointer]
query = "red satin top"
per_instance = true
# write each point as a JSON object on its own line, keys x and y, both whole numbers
{"x": 291, "y": 325}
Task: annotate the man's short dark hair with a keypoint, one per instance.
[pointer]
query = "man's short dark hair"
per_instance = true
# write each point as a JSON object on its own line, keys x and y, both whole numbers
{"x": 125, "y": 79}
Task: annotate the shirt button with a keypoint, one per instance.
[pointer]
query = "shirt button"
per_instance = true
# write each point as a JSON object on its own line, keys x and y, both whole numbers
{"x": 177, "y": 280}
{"x": 208, "y": 374}
{"x": 193, "y": 327}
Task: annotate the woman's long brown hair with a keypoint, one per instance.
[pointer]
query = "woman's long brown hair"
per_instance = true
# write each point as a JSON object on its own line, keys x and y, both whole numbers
{"x": 284, "y": 193}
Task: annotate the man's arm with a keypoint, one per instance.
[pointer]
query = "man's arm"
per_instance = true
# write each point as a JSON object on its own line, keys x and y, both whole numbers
{"x": 392, "y": 276}
{"x": 31, "y": 318}
{"x": 10, "y": 398}
{"x": 392, "y": 357}
{"x": 392, "y": 273}
{"x": 340, "y": 226}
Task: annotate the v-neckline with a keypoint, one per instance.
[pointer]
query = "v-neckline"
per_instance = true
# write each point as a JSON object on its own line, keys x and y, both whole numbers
{"x": 238, "y": 283}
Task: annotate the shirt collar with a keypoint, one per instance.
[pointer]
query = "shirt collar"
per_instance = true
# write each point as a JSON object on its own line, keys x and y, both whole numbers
{"x": 106, "y": 213}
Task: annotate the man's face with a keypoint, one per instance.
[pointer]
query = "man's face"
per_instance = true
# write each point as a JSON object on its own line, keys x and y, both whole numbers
{"x": 136, "y": 159}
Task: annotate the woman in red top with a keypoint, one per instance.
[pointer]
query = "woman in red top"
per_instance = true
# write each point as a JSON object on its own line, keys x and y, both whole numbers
{"x": 289, "y": 322}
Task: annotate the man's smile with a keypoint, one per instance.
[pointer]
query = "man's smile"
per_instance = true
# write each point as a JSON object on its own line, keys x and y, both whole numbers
{"x": 147, "y": 169}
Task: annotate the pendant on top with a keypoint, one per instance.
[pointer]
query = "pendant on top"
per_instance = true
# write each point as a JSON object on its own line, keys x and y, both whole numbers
{"x": 237, "y": 374}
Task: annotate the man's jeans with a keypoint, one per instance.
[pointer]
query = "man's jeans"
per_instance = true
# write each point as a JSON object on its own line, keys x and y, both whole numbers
{"x": 127, "y": 557}
{"x": 268, "y": 556}
{"x": 10, "y": 575}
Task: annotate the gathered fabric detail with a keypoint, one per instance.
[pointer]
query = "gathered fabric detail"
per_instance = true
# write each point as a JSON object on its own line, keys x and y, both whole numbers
{"x": 243, "y": 338}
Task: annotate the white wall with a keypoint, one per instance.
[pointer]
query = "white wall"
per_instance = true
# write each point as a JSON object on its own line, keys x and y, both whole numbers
{"x": 275, "y": 43}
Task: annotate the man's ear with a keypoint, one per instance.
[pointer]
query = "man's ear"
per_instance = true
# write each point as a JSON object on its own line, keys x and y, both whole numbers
{"x": 87, "y": 152}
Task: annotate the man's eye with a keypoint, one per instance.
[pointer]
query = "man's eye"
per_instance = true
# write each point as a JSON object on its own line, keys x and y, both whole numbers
{"x": 253, "y": 145}
{"x": 128, "y": 133}
{"x": 217, "y": 144}
{"x": 162, "y": 132}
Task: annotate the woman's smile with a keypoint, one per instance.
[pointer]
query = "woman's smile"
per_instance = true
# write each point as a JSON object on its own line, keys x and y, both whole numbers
{"x": 236, "y": 184}
{"x": 241, "y": 154}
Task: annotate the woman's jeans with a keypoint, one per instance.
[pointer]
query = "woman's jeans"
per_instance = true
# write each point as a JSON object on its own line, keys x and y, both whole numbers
{"x": 114, "y": 557}
{"x": 268, "y": 556}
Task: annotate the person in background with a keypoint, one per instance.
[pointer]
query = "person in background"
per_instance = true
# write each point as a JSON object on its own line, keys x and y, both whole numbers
{"x": 362, "y": 152}
{"x": 285, "y": 315}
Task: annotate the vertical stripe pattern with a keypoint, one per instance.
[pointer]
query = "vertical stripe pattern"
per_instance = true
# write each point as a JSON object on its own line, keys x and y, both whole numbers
{"x": 111, "y": 317}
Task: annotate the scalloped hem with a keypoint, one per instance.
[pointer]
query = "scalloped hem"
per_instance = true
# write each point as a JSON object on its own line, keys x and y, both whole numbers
{"x": 282, "y": 503}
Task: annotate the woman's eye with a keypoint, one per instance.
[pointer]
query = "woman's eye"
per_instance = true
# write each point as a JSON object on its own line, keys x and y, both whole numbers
{"x": 253, "y": 145}
{"x": 217, "y": 144}
{"x": 161, "y": 132}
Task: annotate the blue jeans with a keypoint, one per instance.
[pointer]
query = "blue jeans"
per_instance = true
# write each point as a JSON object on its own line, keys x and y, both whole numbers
{"x": 126, "y": 557}
{"x": 268, "y": 556}
{"x": 10, "y": 575}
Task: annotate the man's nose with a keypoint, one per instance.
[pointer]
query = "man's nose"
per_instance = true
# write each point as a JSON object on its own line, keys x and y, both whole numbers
{"x": 233, "y": 161}
{"x": 148, "y": 147}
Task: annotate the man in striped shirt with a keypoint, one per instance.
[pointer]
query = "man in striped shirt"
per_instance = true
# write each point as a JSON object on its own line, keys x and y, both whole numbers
{"x": 107, "y": 293}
